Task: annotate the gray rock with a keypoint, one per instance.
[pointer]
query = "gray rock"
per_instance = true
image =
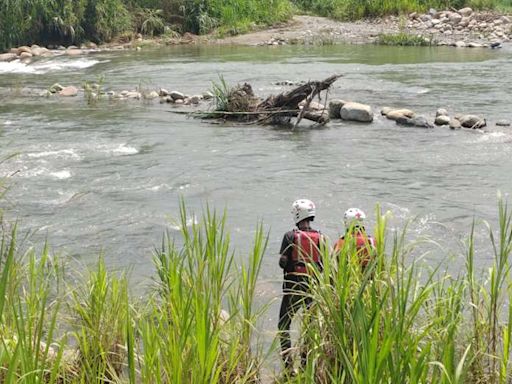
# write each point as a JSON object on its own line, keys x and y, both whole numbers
{"x": 177, "y": 95}
{"x": 460, "y": 44}
{"x": 441, "y": 112}
{"x": 442, "y": 120}
{"x": 432, "y": 12}
{"x": 8, "y": 57}
{"x": 503, "y": 123}
{"x": 436, "y": 21}
{"x": 454, "y": 124}
{"x": 455, "y": 18}
{"x": 168, "y": 99}
{"x": 466, "y": 11}
{"x": 25, "y": 55}
{"x": 472, "y": 121}
{"x": 418, "y": 121}
{"x": 37, "y": 51}
{"x": 396, "y": 113}
{"x": 179, "y": 101}
{"x": 356, "y": 112}
{"x": 335, "y": 108}
{"x": 68, "y": 91}
{"x": 163, "y": 92}
{"x": 475, "y": 45}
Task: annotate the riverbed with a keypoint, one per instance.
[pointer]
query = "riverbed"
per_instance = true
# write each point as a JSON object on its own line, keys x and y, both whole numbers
{"x": 106, "y": 177}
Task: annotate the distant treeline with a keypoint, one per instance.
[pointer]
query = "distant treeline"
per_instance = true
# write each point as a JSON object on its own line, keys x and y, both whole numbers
{"x": 75, "y": 21}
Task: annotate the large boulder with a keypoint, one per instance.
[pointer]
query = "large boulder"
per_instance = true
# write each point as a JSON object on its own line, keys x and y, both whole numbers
{"x": 356, "y": 112}
{"x": 397, "y": 113}
{"x": 8, "y": 57}
{"x": 418, "y": 121}
{"x": 472, "y": 121}
{"x": 335, "y": 108}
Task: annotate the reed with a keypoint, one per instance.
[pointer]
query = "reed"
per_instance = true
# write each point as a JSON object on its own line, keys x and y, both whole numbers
{"x": 397, "y": 320}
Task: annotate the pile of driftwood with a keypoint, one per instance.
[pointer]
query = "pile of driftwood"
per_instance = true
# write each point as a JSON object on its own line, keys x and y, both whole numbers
{"x": 240, "y": 103}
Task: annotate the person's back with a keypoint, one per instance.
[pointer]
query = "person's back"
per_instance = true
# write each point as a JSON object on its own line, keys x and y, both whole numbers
{"x": 300, "y": 255}
{"x": 355, "y": 232}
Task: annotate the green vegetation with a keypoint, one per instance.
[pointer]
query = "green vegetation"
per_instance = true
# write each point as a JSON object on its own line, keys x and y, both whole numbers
{"x": 357, "y": 9}
{"x": 74, "y": 21}
{"x": 403, "y": 39}
{"x": 398, "y": 321}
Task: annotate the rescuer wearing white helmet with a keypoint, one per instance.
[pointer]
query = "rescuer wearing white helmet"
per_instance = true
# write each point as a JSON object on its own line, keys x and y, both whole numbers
{"x": 354, "y": 228}
{"x": 300, "y": 256}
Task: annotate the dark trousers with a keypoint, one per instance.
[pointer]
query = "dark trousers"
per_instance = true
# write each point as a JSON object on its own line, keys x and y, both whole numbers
{"x": 296, "y": 295}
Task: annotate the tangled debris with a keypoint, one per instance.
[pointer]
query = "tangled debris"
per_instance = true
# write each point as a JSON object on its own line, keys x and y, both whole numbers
{"x": 240, "y": 104}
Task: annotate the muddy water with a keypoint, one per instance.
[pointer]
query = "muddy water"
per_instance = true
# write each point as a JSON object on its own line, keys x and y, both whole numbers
{"x": 107, "y": 177}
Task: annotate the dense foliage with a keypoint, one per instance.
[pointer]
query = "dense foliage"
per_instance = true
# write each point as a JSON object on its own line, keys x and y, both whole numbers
{"x": 73, "y": 21}
{"x": 398, "y": 321}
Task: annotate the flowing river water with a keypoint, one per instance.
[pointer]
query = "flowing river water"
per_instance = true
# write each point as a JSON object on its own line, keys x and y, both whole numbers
{"x": 107, "y": 177}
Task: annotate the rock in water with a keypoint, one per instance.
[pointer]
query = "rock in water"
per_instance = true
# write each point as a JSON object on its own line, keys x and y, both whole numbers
{"x": 418, "y": 121}
{"x": 335, "y": 108}
{"x": 472, "y": 121}
{"x": 503, "y": 123}
{"x": 69, "y": 91}
{"x": 396, "y": 113}
{"x": 454, "y": 124}
{"x": 442, "y": 120}
{"x": 356, "y": 112}
{"x": 8, "y": 57}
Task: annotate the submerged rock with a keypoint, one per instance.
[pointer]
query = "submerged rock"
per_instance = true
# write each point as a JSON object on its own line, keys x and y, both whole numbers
{"x": 356, "y": 112}
{"x": 503, "y": 123}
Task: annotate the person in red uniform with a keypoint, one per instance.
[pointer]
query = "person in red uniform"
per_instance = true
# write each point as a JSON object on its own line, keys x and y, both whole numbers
{"x": 365, "y": 244}
{"x": 300, "y": 255}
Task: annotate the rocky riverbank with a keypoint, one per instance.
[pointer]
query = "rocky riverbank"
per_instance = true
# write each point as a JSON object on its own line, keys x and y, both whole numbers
{"x": 462, "y": 28}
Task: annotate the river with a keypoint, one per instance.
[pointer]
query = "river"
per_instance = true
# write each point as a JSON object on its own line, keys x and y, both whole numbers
{"x": 107, "y": 178}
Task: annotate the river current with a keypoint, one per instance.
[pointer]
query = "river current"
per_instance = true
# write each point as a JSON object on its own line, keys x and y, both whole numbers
{"x": 106, "y": 178}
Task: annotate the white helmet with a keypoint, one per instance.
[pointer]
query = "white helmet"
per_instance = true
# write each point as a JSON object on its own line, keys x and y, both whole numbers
{"x": 354, "y": 217}
{"x": 302, "y": 209}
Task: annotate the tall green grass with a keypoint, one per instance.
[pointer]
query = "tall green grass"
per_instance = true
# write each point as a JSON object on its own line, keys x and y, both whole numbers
{"x": 397, "y": 321}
